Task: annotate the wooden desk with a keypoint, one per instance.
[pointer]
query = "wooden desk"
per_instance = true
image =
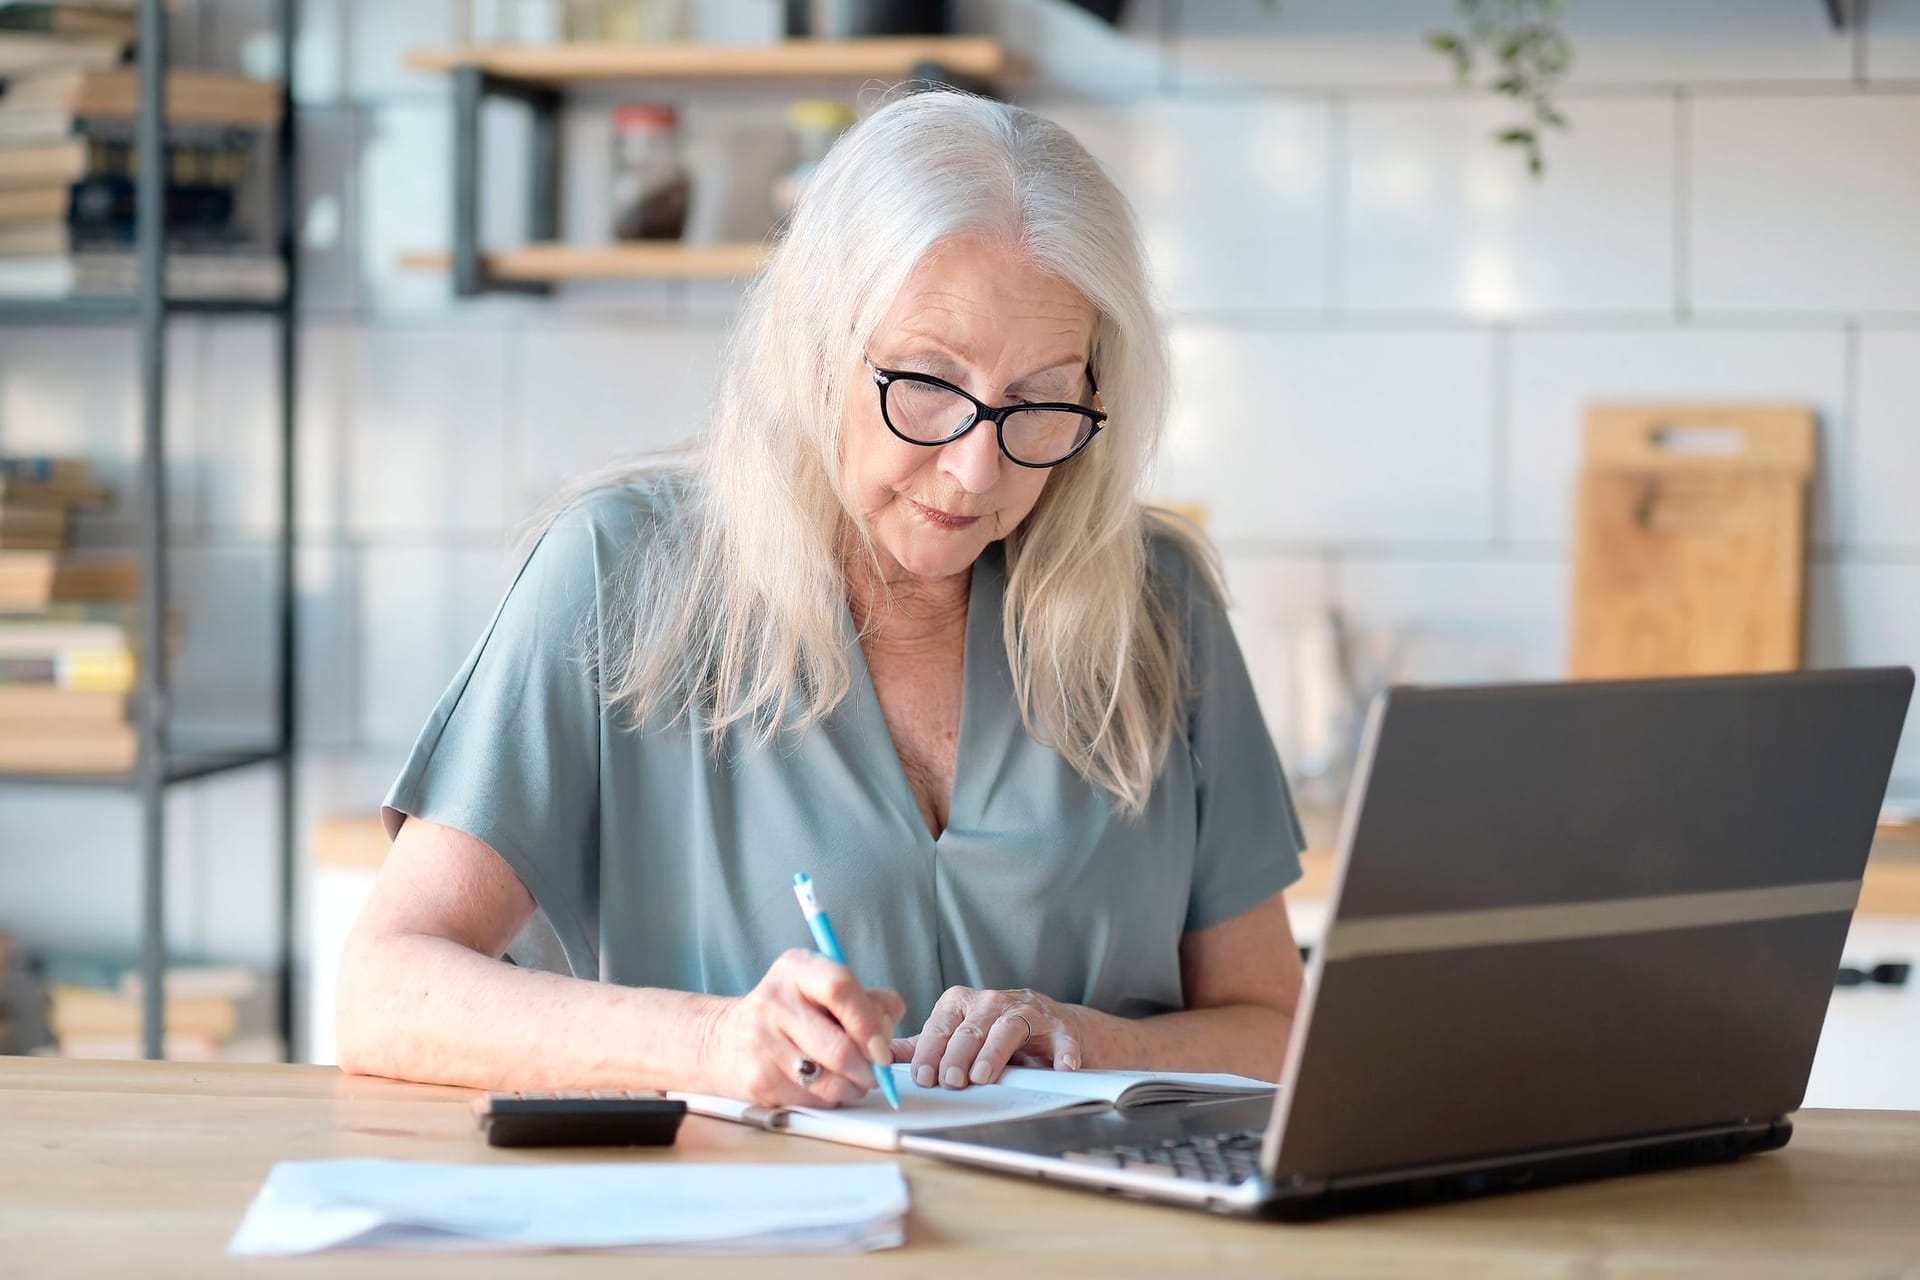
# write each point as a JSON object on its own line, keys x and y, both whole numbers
{"x": 119, "y": 1169}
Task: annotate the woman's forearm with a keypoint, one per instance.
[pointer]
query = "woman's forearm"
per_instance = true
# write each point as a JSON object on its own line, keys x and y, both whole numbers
{"x": 417, "y": 1007}
{"x": 1246, "y": 1039}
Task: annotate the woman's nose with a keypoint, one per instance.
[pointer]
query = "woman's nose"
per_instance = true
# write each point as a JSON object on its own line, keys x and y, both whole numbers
{"x": 974, "y": 460}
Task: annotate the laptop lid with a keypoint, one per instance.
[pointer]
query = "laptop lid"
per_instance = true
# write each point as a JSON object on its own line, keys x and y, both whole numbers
{"x": 1569, "y": 913}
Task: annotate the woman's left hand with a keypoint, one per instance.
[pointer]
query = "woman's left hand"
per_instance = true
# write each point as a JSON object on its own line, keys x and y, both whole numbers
{"x": 972, "y": 1036}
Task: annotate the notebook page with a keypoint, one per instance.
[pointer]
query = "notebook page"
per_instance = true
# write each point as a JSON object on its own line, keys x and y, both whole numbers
{"x": 870, "y": 1122}
{"x": 1127, "y": 1088}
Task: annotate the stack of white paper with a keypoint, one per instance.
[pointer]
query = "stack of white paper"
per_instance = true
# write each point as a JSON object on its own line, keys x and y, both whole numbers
{"x": 309, "y": 1205}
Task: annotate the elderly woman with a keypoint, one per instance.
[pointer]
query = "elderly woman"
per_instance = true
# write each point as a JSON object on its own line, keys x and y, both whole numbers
{"x": 900, "y": 621}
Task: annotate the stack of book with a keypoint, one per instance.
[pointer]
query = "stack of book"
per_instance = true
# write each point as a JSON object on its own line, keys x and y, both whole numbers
{"x": 64, "y": 33}
{"x": 66, "y": 640}
{"x": 69, "y": 168}
{"x": 212, "y": 1013}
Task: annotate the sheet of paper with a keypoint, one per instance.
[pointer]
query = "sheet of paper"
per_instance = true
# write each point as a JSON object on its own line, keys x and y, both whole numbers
{"x": 309, "y": 1205}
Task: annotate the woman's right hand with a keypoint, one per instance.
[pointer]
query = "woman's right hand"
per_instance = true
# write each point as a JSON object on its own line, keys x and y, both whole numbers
{"x": 806, "y": 1007}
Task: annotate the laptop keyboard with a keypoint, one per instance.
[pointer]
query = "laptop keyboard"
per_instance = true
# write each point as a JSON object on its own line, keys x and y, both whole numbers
{"x": 1228, "y": 1157}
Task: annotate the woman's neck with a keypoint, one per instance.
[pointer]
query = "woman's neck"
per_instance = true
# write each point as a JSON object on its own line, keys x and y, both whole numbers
{"x": 899, "y": 614}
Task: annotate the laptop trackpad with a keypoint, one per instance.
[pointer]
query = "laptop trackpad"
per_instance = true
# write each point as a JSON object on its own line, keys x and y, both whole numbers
{"x": 1051, "y": 1135}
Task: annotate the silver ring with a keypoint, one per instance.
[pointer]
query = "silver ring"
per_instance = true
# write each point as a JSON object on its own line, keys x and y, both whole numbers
{"x": 806, "y": 1071}
{"x": 1012, "y": 1013}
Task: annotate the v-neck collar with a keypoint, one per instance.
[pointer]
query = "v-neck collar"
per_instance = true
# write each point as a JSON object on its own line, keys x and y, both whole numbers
{"x": 981, "y": 645}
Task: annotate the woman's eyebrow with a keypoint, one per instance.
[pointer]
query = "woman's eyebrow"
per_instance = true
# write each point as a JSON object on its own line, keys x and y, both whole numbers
{"x": 1063, "y": 364}
{"x": 936, "y": 356}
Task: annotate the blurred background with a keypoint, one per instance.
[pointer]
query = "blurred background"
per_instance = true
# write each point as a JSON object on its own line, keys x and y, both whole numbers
{"x": 1400, "y": 297}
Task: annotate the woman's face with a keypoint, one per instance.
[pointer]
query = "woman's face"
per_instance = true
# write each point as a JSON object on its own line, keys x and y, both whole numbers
{"x": 978, "y": 316}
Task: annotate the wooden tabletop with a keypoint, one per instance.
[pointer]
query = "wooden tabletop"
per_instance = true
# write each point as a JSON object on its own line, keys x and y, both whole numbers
{"x": 144, "y": 1169}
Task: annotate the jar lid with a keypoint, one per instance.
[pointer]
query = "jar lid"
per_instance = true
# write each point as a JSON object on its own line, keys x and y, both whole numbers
{"x": 819, "y": 113}
{"x": 644, "y": 115}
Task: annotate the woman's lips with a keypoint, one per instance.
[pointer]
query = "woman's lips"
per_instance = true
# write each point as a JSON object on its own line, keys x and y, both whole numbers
{"x": 942, "y": 519}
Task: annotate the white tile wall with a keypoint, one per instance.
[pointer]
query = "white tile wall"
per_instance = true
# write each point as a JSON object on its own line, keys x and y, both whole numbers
{"x": 1886, "y": 468}
{"x": 329, "y": 622}
{"x": 1254, "y": 173}
{"x": 380, "y": 33}
{"x": 1805, "y": 204}
{"x": 1553, "y": 377}
{"x": 1380, "y": 44}
{"x": 422, "y": 609}
{"x": 405, "y": 191}
{"x": 71, "y": 875}
{"x": 427, "y": 430}
{"x": 1445, "y": 620}
{"x": 1441, "y": 219}
{"x": 231, "y": 441}
{"x": 1322, "y": 436}
{"x": 325, "y": 377}
{"x": 1869, "y": 615}
{"x": 225, "y": 679}
{"x": 329, "y": 163}
{"x": 1768, "y": 40}
{"x": 588, "y": 396}
{"x": 1272, "y": 598}
{"x": 1308, "y": 44}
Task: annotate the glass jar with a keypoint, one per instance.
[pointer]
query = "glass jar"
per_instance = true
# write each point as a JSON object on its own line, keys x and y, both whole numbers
{"x": 814, "y": 125}
{"x": 651, "y": 187}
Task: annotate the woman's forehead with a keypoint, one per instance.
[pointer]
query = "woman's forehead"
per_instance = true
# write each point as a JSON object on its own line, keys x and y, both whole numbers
{"x": 984, "y": 325}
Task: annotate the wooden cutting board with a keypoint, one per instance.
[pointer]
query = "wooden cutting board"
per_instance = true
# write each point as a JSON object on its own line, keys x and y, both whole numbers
{"x": 1690, "y": 536}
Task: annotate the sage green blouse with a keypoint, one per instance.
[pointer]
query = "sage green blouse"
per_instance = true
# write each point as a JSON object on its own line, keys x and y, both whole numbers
{"x": 662, "y": 863}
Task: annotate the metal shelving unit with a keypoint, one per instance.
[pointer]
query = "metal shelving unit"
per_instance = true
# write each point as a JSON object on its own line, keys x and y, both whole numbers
{"x": 161, "y": 764}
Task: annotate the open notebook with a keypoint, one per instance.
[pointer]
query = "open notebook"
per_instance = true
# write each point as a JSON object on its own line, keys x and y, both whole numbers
{"x": 1020, "y": 1092}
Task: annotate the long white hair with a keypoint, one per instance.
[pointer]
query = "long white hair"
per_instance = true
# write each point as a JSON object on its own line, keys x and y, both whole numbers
{"x": 739, "y": 616}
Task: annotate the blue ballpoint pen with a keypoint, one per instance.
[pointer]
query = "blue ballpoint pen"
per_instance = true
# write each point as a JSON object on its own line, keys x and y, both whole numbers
{"x": 830, "y": 948}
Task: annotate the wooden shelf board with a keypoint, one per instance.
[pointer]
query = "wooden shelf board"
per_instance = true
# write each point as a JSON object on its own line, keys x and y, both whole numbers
{"x": 891, "y": 57}
{"x": 546, "y": 262}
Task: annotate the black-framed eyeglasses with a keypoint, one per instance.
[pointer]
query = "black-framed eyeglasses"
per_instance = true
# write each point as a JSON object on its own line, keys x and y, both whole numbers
{"x": 922, "y": 409}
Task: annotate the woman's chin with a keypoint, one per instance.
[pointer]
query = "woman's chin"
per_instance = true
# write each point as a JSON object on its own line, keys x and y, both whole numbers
{"x": 933, "y": 557}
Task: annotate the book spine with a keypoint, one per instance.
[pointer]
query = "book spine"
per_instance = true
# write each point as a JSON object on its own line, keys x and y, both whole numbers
{"x": 209, "y": 171}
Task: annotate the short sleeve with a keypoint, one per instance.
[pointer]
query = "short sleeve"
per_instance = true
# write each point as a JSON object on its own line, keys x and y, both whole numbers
{"x": 1249, "y": 839}
{"x": 511, "y": 755}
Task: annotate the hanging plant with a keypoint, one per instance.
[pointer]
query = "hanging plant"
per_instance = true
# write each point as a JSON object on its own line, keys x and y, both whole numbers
{"x": 1529, "y": 53}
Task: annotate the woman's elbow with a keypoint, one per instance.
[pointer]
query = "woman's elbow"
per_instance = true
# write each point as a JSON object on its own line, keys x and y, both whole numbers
{"x": 358, "y": 1030}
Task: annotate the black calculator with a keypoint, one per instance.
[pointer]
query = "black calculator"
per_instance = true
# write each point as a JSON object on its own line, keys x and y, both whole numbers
{"x": 579, "y": 1118}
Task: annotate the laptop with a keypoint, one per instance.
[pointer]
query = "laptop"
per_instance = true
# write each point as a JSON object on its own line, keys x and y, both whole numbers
{"x": 1575, "y": 930}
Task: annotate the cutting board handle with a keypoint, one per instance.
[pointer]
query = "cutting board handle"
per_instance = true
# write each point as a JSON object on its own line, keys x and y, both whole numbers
{"x": 1700, "y": 437}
